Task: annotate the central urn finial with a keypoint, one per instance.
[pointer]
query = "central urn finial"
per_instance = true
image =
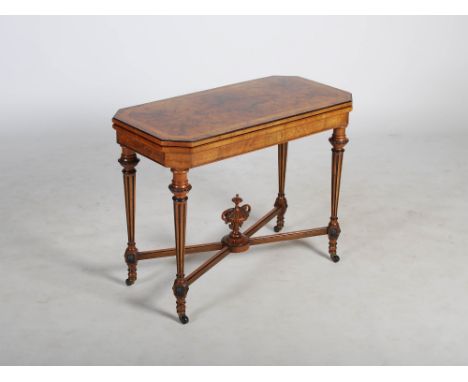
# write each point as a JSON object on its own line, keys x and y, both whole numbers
{"x": 235, "y": 217}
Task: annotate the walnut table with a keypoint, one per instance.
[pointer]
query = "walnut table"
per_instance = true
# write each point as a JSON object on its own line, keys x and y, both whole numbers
{"x": 195, "y": 129}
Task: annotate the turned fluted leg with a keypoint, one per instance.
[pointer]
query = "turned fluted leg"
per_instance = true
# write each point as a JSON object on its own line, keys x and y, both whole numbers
{"x": 129, "y": 160}
{"x": 338, "y": 141}
{"x": 281, "y": 201}
{"x": 180, "y": 188}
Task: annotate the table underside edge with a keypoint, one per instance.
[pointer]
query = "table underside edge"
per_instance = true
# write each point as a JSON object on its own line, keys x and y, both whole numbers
{"x": 185, "y": 157}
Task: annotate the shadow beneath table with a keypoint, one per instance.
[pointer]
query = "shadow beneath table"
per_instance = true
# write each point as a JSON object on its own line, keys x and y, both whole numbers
{"x": 84, "y": 266}
{"x": 246, "y": 283}
{"x": 161, "y": 278}
{"x": 146, "y": 300}
{"x": 313, "y": 248}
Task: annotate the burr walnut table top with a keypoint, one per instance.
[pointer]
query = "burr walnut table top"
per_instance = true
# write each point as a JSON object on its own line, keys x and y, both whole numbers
{"x": 202, "y": 127}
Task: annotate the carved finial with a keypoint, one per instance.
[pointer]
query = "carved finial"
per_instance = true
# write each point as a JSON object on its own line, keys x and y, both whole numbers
{"x": 235, "y": 217}
{"x": 237, "y": 200}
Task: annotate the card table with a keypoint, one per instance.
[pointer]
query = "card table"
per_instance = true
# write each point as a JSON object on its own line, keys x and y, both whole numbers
{"x": 192, "y": 130}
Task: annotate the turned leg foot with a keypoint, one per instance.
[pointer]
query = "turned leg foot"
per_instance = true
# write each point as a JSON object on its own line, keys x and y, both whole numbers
{"x": 333, "y": 234}
{"x": 279, "y": 226}
{"x": 184, "y": 319}
{"x": 338, "y": 141}
{"x": 281, "y": 202}
{"x": 131, "y": 260}
{"x": 180, "y": 289}
{"x": 129, "y": 160}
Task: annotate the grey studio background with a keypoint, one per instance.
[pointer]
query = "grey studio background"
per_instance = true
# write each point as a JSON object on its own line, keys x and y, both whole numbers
{"x": 397, "y": 297}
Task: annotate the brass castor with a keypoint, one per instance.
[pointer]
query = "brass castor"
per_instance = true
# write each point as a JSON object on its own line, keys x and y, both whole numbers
{"x": 277, "y": 228}
{"x": 129, "y": 282}
{"x": 184, "y": 319}
{"x": 335, "y": 258}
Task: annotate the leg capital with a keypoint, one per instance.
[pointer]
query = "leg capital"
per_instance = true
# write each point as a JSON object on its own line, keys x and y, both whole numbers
{"x": 129, "y": 161}
{"x": 180, "y": 186}
{"x": 339, "y": 139}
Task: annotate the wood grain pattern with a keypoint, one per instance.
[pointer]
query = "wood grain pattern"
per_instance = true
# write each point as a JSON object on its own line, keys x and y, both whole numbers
{"x": 338, "y": 140}
{"x": 228, "y": 146}
{"x": 201, "y": 128}
{"x": 129, "y": 161}
{"x": 180, "y": 188}
{"x": 235, "y": 217}
{"x": 281, "y": 203}
{"x": 229, "y": 109}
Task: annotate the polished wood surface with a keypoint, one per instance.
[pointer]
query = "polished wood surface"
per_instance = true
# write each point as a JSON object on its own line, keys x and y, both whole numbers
{"x": 259, "y": 123}
{"x": 230, "y": 109}
{"x": 338, "y": 141}
{"x": 200, "y": 128}
{"x": 235, "y": 217}
{"x": 129, "y": 160}
{"x": 180, "y": 187}
{"x": 281, "y": 201}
